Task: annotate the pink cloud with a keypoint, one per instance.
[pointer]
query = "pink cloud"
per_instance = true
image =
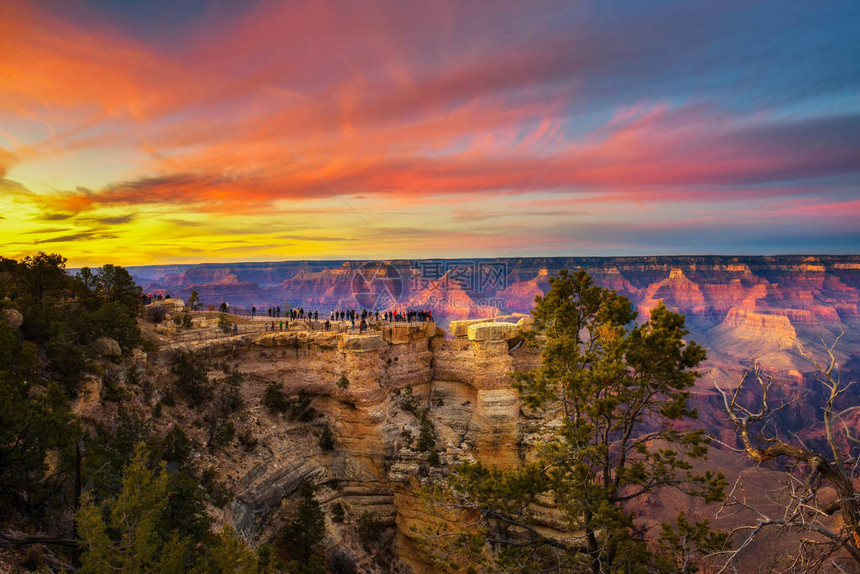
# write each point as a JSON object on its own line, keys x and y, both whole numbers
{"x": 393, "y": 104}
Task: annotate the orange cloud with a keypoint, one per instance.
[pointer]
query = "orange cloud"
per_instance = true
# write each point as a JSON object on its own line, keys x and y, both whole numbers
{"x": 288, "y": 109}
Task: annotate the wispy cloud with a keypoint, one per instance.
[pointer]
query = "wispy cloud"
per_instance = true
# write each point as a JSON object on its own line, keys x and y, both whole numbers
{"x": 115, "y": 220}
{"x": 83, "y": 236}
{"x": 428, "y": 118}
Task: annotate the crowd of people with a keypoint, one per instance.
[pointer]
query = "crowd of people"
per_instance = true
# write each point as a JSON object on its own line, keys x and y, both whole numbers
{"x": 357, "y": 319}
{"x": 147, "y": 298}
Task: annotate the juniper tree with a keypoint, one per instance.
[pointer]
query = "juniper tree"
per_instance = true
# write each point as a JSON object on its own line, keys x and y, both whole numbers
{"x": 619, "y": 389}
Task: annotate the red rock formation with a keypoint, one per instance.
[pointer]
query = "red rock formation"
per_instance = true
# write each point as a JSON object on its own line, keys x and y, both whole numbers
{"x": 809, "y": 291}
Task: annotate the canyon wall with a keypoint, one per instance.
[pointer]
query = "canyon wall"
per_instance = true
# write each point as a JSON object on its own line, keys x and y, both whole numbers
{"x": 812, "y": 292}
{"x": 370, "y": 390}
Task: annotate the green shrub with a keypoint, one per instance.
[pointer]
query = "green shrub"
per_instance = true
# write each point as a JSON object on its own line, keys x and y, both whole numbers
{"x": 156, "y": 314}
{"x": 337, "y": 512}
{"x": 117, "y": 322}
{"x": 369, "y": 526}
{"x": 176, "y": 446}
{"x": 274, "y": 399}
{"x": 224, "y": 323}
{"x": 426, "y": 435}
{"x": 433, "y": 457}
{"x": 191, "y": 379}
{"x": 302, "y": 410}
{"x": 112, "y": 390}
{"x": 229, "y": 397}
{"x": 221, "y": 433}
{"x": 218, "y": 492}
{"x": 300, "y": 538}
{"x": 68, "y": 361}
{"x": 327, "y": 439}
{"x": 408, "y": 401}
{"x": 343, "y": 382}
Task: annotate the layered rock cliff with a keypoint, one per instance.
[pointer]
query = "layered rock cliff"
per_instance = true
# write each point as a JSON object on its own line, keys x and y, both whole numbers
{"x": 742, "y": 309}
{"x": 369, "y": 389}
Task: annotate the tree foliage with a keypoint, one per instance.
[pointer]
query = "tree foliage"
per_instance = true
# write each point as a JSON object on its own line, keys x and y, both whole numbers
{"x": 225, "y": 324}
{"x": 620, "y": 391}
{"x": 133, "y": 498}
{"x": 194, "y": 300}
{"x": 326, "y": 441}
{"x": 192, "y": 380}
{"x": 116, "y": 285}
{"x": 34, "y": 420}
{"x": 300, "y": 538}
{"x": 123, "y": 534}
{"x": 141, "y": 529}
{"x": 274, "y": 399}
{"x": 41, "y": 276}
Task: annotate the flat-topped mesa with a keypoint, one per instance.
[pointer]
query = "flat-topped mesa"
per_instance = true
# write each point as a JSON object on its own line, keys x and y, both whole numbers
{"x": 738, "y": 317}
{"x": 766, "y": 331}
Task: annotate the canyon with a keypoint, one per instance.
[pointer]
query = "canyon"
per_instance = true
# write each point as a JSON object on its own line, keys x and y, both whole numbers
{"x": 368, "y": 388}
{"x": 740, "y": 308}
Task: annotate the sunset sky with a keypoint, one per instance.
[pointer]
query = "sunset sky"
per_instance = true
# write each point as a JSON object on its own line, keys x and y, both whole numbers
{"x": 145, "y": 133}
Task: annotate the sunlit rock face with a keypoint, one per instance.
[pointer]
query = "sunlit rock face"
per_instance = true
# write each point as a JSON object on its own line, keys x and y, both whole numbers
{"x": 371, "y": 387}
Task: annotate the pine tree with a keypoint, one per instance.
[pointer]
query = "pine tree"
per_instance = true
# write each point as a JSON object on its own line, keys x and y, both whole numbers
{"x": 618, "y": 390}
{"x": 301, "y": 536}
{"x": 126, "y": 537}
{"x": 194, "y": 300}
{"x": 155, "y": 524}
{"x": 33, "y": 422}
